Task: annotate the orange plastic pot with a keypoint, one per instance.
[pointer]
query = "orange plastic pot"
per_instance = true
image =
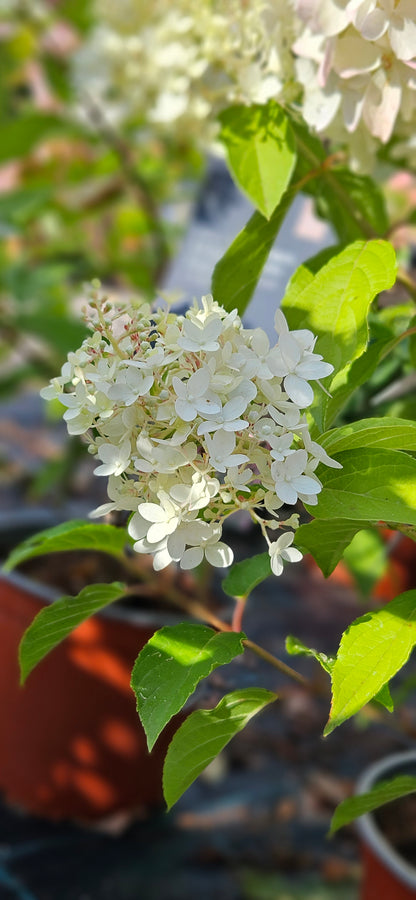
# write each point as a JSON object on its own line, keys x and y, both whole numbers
{"x": 386, "y": 874}
{"x": 71, "y": 744}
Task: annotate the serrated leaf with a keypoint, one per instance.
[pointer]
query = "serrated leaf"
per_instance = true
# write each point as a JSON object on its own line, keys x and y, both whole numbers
{"x": 261, "y": 151}
{"x": 371, "y": 651}
{"x": 244, "y": 576}
{"x": 295, "y": 647}
{"x": 335, "y": 304}
{"x": 204, "y": 734}
{"x": 373, "y": 485}
{"x": 53, "y": 623}
{"x": 388, "y": 433}
{"x": 170, "y": 666}
{"x": 237, "y": 273}
{"x": 382, "y": 793}
{"x": 345, "y": 383}
{"x": 73, "y": 535}
{"x": 326, "y": 540}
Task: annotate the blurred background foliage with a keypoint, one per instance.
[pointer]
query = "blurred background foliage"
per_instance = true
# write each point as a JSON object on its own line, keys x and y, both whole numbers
{"x": 78, "y": 199}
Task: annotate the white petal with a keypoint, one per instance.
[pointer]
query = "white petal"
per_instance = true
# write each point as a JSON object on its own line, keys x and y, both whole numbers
{"x": 299, "y": 391}
{"x": 137, "y": 527}
{"x": 219, "y": 555}
{"x": 192, "y": 558}
{"x": 285, "y": 492}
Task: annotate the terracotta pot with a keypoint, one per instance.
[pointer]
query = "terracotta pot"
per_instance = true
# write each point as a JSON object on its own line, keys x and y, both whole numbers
{"x": 71, "y": 744}
{"x": 386, "y": 873}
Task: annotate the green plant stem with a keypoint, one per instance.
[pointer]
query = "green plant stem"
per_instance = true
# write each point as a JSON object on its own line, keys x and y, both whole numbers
{"x": 193, "y": 607}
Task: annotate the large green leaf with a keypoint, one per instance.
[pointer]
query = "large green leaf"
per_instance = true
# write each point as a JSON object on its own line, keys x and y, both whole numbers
{"x": 236, "y": 274}
{"x": 335, "y": 304}
{"x": 373, "y": 485}
{"x": 56, "y": 621}
{"x": 326, "y": 540}
{"x": 170, "y": 666}
{"x": 371, "y": 651}
{"x": 382, "y": 793}
{"x": 204, "y": 734}
{"x": 389, "y": 433}
{"x": 261, "y": 152}
{"x": 244, "y": 576}
{"x": 73, "y": 535}
{"x": 345, "y": 383}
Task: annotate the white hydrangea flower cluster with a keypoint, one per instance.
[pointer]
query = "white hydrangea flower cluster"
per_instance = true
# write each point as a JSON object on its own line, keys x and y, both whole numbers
{"x": 357, "y": 64}
{"x": 176, "y": 65}
{"x": 192, "y": 418}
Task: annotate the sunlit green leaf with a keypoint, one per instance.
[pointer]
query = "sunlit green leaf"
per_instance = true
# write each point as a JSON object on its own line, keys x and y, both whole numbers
{"x": 373, "y": 485}
{"x": 372, "y": 650}
{"x": 55, "y": 622}
{"x": 204, "y": 734}
{"x": 261, "y": 151}
{"x": 170, "y": 666}
{"x": 73, "y": 535}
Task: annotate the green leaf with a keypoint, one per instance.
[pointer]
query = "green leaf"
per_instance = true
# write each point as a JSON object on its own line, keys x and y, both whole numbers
{"x": 237, "y": 273}
{"x": 354, "y": 204}
{"x": 371, "y": 651}
{"x": 388, "y": 433}
{"x": 373, "y": 485}
{"x": 326, "y": 540}
{"x": 365, "y": 202}
{"x": 304, "y": 274}
{"x": 170, "y": 666}
{"x": 345, "y": 383}
{"x": 21, "y": 135}
{"x": 382, "y": 793}
{"x": 384, "y": 698}
{"x": 204, "y": 734}
{"x": 261, "y": 151}
{"x": 73, "y": 535}
{"x": 244, "y": 576}
{"x": 295, "y": 647}
{"x": 53, "y": 623}
{"x": 20, "y": 206}
{"x": 335, "y": 304}
{"x": 366, "y": 559}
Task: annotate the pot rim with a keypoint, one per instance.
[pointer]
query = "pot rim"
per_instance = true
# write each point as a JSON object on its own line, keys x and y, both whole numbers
{"x": 367, "y": 828}
{"x": 139, "y": 618}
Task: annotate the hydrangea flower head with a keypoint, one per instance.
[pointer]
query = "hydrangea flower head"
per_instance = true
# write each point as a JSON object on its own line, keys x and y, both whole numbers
{"x": 186, "y": 433}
